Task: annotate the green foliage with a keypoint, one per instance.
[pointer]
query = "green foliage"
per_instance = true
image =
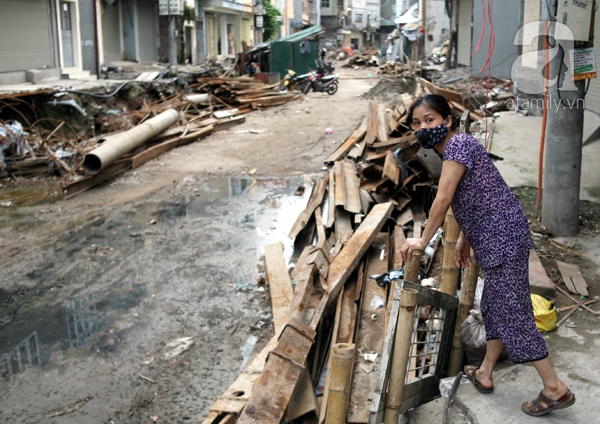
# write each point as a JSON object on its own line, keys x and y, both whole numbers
{"x": 189, "y": 13}
{"x": 270, "y": 22}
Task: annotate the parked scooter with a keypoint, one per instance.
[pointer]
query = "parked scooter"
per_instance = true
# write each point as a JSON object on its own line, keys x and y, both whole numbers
{"x": 292, "y": 81}
{"x": 324, "y": 68}
{"x": 324, "y": 84}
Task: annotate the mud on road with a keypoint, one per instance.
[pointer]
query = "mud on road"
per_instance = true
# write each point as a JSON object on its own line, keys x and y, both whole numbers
{"x": 94, "y": 288}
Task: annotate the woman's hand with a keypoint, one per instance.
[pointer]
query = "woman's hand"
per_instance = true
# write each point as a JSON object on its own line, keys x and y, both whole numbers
{"x": 462, "y": 252}
{"x": 411, "y": 245}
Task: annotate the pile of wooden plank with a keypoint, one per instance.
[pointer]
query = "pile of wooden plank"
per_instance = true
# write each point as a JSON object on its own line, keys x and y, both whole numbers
{"x": 394, "y": 69}
{"x": 339, "y": 333}
{"x": 244, "y": 91}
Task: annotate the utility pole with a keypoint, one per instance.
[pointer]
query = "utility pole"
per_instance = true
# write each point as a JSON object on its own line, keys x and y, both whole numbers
{"x": 562, "y": 156}
{"x": 561, "y": 177}
{"x": 172, "y": 41}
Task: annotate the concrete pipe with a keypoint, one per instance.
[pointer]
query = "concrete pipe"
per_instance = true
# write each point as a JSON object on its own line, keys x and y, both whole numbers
{"x": 198, "y": 99}
{"x": 115, "y": 146}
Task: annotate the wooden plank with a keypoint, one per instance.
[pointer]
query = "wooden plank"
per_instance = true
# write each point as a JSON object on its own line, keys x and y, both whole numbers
{"x": 390, "y": 168}
{"x": 383, "y": 126}
{"x": 418, "y": 220}
{"x": 373, "y": 184}
{"x": 155, "y": 151}
{"x": 377, "y": 404}
{"x": 340, "y": 188}
{"x": 347, "y": 260}
{"x": 303, "y": 400}
{"x": 371, "y": 332}
{"x": 572, "y": 277}
{"x": 229, "y": 122}
{"x": 84, "y": 184}
{"x": 357, "y": 135}
{"x": 402, "y": 199}
{"x": 231, "y": 112}
{"x": 372, "y": 123}
{"x": 235, "y": 397}
{"x": 366, "y": 201}
{"x": 449, "y": 95}
{"x": 352, "y": 195}
{"x": 343, "y": 226}
{"x": 280, "y": 285}
{"x": 357, "y": 150}
{"x": 302, "y": 260}
{"x": 316, "y": 198}
{"x": 331, "y": 199}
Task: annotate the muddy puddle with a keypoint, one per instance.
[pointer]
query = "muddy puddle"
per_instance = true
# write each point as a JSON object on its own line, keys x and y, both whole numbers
{"x": 88, "y": 303}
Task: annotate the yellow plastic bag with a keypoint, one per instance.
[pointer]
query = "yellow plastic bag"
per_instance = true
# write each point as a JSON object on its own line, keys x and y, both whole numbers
{"x": 544, "y": 313}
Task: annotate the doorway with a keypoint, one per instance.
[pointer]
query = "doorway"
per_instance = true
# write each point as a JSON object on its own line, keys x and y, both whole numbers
{"x": 66, "y": 33}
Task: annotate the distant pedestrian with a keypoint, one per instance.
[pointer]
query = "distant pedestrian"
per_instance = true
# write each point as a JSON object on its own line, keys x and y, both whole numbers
{"x": 494, "y": 225}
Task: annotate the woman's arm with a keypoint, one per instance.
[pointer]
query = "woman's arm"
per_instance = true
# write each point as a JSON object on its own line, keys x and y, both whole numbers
{"x": 452, "y": 172}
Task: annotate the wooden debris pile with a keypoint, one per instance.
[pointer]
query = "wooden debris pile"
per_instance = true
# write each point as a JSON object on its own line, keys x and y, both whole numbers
{"x": 345, "y": 331}
{"x": 394, "y": 69}
{"x": 365, "y": 59}
{"x": 49, "y": 147}
{"x": 244, "y": 92}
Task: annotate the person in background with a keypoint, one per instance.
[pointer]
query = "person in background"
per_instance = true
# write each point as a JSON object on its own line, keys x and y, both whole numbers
{"x": 494, "y": 224}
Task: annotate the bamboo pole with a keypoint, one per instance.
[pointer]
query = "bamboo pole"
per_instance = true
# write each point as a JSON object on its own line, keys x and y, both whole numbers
{"x": 402, "y": 343}
{"x": 450, "y": 272}
{"x": 340, "y": 382}
{"x": 467, "y": 299}
{"x": 411, "y": 269}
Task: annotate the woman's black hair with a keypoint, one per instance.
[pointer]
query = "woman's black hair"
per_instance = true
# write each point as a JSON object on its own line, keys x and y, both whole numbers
{"x": 433, "y": 102}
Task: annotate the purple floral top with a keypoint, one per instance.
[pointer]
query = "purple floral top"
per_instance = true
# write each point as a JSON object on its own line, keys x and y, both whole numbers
{"x": 488, "y": 213}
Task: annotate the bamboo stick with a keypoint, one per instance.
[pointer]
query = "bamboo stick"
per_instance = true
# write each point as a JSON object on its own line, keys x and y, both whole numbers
{"x": 450, "y": 272}
{"x": 467, "y": 299}
{"x": 340, "y": 382}
{"x": 402, "y": 343}
{"x": 411, "y": 269}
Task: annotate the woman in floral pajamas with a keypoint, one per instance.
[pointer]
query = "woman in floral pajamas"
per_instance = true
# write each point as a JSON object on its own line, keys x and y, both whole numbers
{"x": 494, "y": 225}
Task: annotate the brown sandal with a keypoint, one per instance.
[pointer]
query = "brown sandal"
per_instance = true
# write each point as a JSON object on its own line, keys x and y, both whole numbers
{"x": 537, "y": 409}
{"x": 470, "y": 371}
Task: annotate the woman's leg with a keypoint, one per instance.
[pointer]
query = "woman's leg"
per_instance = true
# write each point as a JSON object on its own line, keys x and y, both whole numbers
{"x": 484, "y": 373}
{"x": 554, "y": 388}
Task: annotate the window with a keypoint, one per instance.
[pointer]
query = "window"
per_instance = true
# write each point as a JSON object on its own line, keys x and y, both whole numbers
{"x": 324, "y": 4}
{"x": 358, "y": 18}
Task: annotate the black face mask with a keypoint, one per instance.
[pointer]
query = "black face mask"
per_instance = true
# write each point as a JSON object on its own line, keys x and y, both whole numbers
{"x": 431, "y": 137}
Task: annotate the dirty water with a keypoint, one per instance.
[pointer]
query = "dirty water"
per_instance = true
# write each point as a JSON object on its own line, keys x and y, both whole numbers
{"x": 87, "y": 303}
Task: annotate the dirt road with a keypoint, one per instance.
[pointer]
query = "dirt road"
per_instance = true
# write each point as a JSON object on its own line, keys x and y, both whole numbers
{"x": 94, "y": 288}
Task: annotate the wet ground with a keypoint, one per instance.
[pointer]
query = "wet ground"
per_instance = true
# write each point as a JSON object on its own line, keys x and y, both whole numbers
{"x": 89, "y": 304}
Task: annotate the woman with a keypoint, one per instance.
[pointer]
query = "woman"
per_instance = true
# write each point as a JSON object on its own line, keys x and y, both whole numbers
{"x": 494, "y": 225}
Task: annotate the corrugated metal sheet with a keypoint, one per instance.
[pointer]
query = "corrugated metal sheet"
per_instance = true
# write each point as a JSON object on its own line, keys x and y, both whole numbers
{"x": 592, "y": 99}
{"x": 25, "y": 35}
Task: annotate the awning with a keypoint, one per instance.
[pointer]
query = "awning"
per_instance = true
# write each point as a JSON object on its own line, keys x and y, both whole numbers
{"x": 302, "y": 35}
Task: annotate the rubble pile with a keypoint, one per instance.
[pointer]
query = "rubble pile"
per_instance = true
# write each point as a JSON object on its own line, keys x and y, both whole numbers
{"x": 51, "y": 147}
{"x": 342, "y": 335}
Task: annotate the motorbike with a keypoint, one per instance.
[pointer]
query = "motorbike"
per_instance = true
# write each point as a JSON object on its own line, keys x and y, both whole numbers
{"x": 322, "y": 83}
{"x": 324, "y": 68}
{"x": 293, "y": 81}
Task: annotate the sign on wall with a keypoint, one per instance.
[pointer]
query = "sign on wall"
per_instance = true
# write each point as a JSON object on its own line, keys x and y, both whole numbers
{"x": 170, "y": 7}
{"x": 583, "y": 63}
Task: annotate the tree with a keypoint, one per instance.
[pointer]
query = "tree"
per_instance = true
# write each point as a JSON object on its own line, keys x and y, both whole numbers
{"x": 270, "y": 22}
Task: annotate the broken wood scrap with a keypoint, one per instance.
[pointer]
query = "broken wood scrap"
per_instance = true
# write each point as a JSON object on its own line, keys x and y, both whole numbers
{"x": 390, "y": 168}
{"x": 280, "y": 285}
{"x": 372, "y": 122}
{"x": 340, "y": 189}
{"x": 383, "y": 126}
{"x": 351, "y": 188}
{"x": 331, "y": 199}
{"x": 573, "y": 279}
{"x": 347, "y": 260}
{"x": 357, "y": 135}
{"x": 316, "y": 198}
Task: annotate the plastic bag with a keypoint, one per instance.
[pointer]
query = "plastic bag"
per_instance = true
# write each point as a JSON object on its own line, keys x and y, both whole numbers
{"x": 544, "y": 313}
{"x": 473, "y": 340}
{"x": 472, "y": 337}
